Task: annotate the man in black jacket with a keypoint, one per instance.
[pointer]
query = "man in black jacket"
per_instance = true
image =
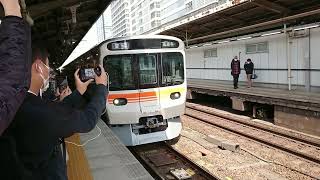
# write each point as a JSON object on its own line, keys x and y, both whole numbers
{"x": 248, "y": 67}
{"x": 15, "y": 61}
{"x": 38, "y": 124}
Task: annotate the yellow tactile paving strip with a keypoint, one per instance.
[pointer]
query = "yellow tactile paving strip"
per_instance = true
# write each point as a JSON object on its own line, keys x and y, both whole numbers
{"x": 77, "y": 166}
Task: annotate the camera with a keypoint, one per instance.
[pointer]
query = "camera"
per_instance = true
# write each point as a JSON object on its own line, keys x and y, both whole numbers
{"x": 86, "y": 74}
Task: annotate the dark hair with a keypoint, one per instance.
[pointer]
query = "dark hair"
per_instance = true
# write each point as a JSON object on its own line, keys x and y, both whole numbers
{"x": 249, "y": 59}
{"x": 39, "y": 52}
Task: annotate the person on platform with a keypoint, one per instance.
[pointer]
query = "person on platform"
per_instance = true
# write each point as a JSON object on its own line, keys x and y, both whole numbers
{"x": 248, "y": 67}
{"x": 235, "y": 71}
{"x": 15, "y": 61}
{"x": 39, "y": 125}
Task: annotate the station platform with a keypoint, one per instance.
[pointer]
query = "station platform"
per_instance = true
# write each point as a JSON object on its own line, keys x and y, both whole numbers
{"x": 294, "y": 99}
{"x": 102, "y": 158}
{"x": 292, "y": 109}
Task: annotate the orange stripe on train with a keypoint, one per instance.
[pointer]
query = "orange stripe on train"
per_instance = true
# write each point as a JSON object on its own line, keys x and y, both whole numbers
{"x": 142, "y": 99}
{"x": 132, "y": 95}
{"x": 136, "y": 101}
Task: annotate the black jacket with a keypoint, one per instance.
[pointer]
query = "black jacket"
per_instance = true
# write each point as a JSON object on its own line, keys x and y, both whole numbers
{"x": 15, "y": 67}
{"x": 38, "y": 126}
{"x": 248, "y": 66}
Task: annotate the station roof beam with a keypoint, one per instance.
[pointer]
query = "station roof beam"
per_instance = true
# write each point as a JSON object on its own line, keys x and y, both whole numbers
{"x": 272, "y": 6}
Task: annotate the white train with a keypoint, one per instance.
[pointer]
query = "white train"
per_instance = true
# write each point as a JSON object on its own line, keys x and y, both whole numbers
{"x": 147, "y": 86}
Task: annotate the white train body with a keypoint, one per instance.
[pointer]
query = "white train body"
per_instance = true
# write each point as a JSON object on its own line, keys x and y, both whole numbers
{"x": 147, "y": 90}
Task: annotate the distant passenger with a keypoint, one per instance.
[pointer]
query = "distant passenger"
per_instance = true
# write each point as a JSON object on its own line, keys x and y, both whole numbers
{"x": 235, "y": 71}
{"x": 249, "y": 66}
{"x": 15, "y": 61}
{"x": 39, "y": 125}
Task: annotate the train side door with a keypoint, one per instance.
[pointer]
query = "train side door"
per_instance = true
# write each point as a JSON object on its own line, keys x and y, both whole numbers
{"x": 148, "y": 84}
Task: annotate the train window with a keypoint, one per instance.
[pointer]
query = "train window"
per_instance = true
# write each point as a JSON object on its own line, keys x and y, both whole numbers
{"x": 119, "y": 68}
{"x": 172, "y": 69}
{"x": 148, "y": 71}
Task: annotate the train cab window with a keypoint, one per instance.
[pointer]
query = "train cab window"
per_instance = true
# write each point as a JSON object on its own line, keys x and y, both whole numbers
{"x": 148, "y": 69}
{"x": 172, "y": 69}
{"x": 119, "y": 68}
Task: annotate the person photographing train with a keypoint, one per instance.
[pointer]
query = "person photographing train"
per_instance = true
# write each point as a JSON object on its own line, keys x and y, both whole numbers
{"x": 39, "y": 124}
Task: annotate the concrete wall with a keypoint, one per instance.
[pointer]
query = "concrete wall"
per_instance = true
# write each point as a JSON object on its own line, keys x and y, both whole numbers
{"x": 300, "y": 120}
{"x": 218, "y": 68}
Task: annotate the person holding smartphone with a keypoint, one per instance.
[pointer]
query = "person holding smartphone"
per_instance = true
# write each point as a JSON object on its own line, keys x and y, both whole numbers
{"x": 15, "y": 61}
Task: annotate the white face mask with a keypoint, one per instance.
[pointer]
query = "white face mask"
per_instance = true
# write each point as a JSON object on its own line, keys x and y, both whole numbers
{"x": 45, "y": 85}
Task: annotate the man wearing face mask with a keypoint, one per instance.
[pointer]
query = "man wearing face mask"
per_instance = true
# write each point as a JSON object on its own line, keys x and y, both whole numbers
{"x": 235, "y": 71}
{"x": 39, "y": 124}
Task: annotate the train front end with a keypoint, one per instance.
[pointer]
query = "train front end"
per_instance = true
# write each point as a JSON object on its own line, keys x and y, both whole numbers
{"x": 147, "y": 90}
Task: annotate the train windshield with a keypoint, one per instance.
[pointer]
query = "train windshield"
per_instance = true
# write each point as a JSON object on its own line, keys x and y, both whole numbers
{"x": 143, "y": 71}
{"x": 148, "y": 69}
{"x": 120, "y": 72}
{"x": 172, "y": 69}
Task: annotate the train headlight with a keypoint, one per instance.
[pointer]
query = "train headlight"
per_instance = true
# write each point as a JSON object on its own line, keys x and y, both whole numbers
{"x": 175, "y": 95}
{"x": 120, "y": 101}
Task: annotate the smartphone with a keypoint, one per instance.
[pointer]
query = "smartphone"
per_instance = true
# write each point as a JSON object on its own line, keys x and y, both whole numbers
{"x": 63, "y": 85}
{"x": 89, "y": 73}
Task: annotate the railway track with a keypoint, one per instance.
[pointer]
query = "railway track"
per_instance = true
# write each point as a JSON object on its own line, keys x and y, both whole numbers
{"x": 300, "y": 147}
{"x": 165, "y": 163}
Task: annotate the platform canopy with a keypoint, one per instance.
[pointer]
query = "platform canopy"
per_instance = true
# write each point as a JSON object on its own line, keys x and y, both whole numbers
{"x": 61, "y": 24}
{"x": 242, "y": 18}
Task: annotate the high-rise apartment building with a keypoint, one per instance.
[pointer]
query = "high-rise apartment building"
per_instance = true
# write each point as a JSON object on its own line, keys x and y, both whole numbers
{"x": 173, "y": 9}
{"x": 104, "y": 26}
{"x": 134, "y": 17}
{"x": 120, "y": 11}
{"x": 145, "y": 15}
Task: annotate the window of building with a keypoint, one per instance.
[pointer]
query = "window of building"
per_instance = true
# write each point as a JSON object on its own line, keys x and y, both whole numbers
{"x": 151, "y": 6}
{"x": 157, "y": 4}
{"x": 133, "y": 21}
{"x": 155, "y": 14}
{"x": 140, "y": 21}
{"x": 262, "y": 47}
{"x": 211, "y": 53}
{"x": 155, "y": 23}
{"x": 133, "y": 14}
{"x": 140, "y": 13}
{"x": 189, "y": 6}
{"x": 141, "y": 29}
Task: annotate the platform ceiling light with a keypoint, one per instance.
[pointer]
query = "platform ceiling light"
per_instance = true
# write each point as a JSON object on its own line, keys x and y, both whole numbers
{"x": 269, "y": 34}
{"x": 190, "y": 47}
{"x": 221, "y": 42}
{"x": 207, "y": 44}
{"x": 307, "y": 27}
{"x": 244, "y": 38}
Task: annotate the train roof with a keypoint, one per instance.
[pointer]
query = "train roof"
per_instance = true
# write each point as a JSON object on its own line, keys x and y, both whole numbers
{"x": 141, "y": 37}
